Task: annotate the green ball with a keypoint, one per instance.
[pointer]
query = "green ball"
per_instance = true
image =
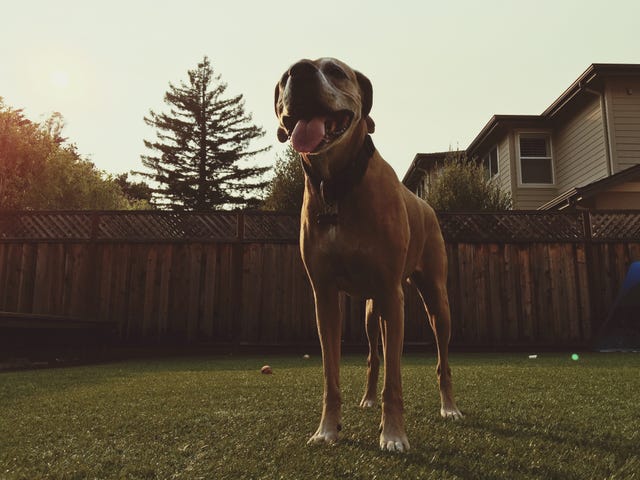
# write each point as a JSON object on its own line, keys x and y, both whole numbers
{"x": 575, "y": 357}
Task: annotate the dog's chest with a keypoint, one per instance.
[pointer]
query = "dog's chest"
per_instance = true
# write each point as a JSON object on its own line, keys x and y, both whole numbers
{"x": 336, "y": 243}
{"x": 351, "y": 259}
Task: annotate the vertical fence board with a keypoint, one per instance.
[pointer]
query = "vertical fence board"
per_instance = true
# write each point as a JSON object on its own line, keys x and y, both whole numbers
{"x": 252, "y": 292}
{"x": 454, "y": 290}
{"x": 467, "y": 307}
{"x": 4, "y": 275}
{"x": 495, "y": 289}
{"x": 135, "y": 293}
{"x": 42, "y": 282}
{"x": 584, "y": 299}
{"x": 122, "y": 289}
{"x": 149, "y": 311}
{"x": 208, "y": 293}
{"x": 510, "y": 287}
{"x": 225, "y": 298}
{"x": 527, "y": 292}
{"x": 193, "y": 293}
{"x": 164, "y": 293}
{"x": 27, "y": 278}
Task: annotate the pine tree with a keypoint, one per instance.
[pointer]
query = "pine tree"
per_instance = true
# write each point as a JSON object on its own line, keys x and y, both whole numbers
{"x": 200, "y": 145}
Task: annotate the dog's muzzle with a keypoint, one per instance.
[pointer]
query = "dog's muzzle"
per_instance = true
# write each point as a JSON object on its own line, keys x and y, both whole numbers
{"x": 309, "y": 123}
{"x": 308, "y": 136}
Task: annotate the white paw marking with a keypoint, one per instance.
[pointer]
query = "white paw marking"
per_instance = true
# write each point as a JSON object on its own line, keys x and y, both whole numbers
{"x": 323, "y": 436}
{"x": 394, "y": 444}
{"x": 451, "y": 413}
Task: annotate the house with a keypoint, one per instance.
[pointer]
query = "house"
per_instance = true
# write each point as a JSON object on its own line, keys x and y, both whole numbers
{"x": 581, "y": 152}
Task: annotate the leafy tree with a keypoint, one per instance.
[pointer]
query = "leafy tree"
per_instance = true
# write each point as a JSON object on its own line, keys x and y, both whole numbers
{"x": 285, "y": 191}
{"x": 23, "y": 150}
{"x": 461, "y": 185}
{"x": 200, "y": 144}
{"x": 67, "y": 181}
{"x": 40, "y": 171}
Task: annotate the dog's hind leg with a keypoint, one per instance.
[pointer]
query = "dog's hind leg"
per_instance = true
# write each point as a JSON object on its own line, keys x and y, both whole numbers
{"x": 372, "y": 322}
{"x": 432, "y": 286}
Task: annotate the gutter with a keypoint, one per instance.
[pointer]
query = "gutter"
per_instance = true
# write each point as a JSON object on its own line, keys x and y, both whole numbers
{"x": 605, "y": 123}
{"x": 571, "y": 92}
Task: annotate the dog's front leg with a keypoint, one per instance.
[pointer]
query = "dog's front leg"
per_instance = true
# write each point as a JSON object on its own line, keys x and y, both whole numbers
{"x": 392, "y": 434}
{"x": 373, "y": 361}
{"x": 329, "y": 330}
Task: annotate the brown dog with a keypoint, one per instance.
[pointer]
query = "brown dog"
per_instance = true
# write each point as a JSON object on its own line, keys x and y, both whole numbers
{"x": 364, "y": 233}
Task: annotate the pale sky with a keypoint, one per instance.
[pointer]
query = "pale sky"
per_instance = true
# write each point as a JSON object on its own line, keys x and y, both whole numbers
{"x": 439, "y": 70}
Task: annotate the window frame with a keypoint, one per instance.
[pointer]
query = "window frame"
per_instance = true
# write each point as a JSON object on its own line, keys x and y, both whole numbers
{"x": 485, "y": 161}
{"x": 549, "y": 139}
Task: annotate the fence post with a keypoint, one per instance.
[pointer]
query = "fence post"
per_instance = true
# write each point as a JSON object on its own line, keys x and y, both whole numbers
{"x": 586, "y": 221}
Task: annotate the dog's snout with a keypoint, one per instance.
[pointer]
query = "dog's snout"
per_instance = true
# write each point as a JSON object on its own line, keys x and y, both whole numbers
{"x": 302, "y": 69}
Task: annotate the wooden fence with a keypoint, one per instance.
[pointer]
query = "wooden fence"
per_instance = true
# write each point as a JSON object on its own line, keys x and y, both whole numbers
{"x": 515, "y": 278}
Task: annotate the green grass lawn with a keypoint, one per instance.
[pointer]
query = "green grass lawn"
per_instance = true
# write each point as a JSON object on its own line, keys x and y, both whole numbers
{"x": 218, "y": 418}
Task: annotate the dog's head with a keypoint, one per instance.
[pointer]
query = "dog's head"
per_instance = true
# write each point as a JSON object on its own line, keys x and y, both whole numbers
{"x": 320, "y": 103}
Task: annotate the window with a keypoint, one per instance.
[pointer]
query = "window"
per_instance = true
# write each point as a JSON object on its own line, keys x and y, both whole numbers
{"x": 490, "y": 163}
{"x": 536, "y": 166}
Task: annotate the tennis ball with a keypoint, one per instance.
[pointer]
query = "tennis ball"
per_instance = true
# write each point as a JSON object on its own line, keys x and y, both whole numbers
{"x": 575, "y": 357}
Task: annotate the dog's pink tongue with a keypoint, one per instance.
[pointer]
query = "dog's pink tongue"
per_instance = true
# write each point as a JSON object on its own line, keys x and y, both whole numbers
{"x": 307, "y": 135}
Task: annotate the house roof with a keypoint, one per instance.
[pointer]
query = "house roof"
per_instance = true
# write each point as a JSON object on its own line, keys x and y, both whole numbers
{"x": 590, "y": 79}
{"x": 499, "y": 125}
{"x": 580, "y": 92}
{"x": 573, "y": 196}
{"x": 423, "y": 162}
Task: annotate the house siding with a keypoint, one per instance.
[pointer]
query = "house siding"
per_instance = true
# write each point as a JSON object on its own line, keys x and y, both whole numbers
{"x": 623, "y": 96}
{"x": 530, "y": 198}
{"x": 580, "y": 155}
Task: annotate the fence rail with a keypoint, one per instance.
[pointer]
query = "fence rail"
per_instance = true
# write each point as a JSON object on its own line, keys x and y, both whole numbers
{"x": 515, "y": 278}
{"x": 511, "y": 226}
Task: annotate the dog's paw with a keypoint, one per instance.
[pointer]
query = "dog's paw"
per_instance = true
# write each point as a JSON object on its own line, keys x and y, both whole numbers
{"x": 324, "y": 435}
{"x": 367, "y": 402}
{"x": 397, "y": 443}
{"x": 451, "y": 413}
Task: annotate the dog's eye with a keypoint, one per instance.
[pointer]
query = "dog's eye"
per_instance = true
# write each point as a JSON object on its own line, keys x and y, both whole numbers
{"x": 335, "y": 72}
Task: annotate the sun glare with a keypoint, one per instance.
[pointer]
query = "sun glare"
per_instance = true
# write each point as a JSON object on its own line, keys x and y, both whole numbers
{"x": 60, "y": 79}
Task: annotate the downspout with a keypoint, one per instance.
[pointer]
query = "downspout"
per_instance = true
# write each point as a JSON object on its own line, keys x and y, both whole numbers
{"x": 605, "y": 125}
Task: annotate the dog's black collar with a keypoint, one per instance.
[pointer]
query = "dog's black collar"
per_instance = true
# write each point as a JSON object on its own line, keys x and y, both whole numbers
{"x": 334, "y": 189}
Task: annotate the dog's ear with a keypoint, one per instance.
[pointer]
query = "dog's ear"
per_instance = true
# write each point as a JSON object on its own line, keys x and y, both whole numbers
{"x": 371, "y": 125}
{"x": 366, "y": 90}
{"x": 276, "y": 97}
{"x": 367, "y": 93}
{"x": 282, "y": 135}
